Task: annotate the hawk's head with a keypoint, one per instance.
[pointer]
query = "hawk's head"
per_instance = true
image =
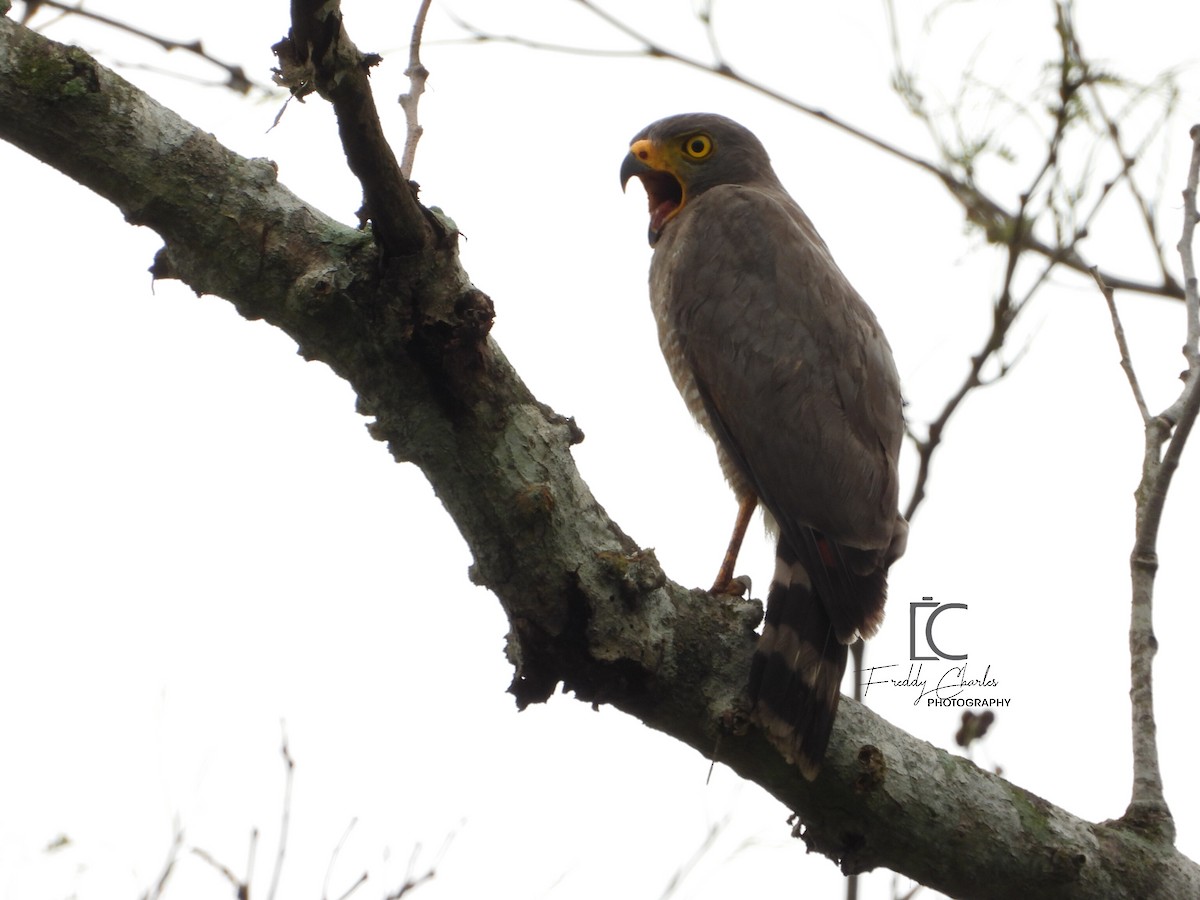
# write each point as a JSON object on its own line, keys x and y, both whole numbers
{"x": 680, "y": 157}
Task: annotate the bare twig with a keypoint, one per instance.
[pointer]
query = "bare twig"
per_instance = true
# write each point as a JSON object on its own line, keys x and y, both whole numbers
{"x": 285, "y": 819}
{"x": 681, "y": 874}
{"x": 653, "y": 49}
{"x": 333, "y": 861}
{"x": 172, "y": 857}
{"x": 1127, "y": 159}
{"x": 417, "y": 75}
{"x": 412, "y": 881}
{"x": 705, "y": 15}
{"x": 241, "y": 888}
{"x": 362, "y": 879}
{"x": 1006, "y": 308}
{"x": 1004, "y": 314}
{"x": 1186, "y": 247}
{"x": 250, "y": 853}
{"x": 1123, "y": 347}
{"x": 236, "y": 78}
{"x": 478, "y": 36}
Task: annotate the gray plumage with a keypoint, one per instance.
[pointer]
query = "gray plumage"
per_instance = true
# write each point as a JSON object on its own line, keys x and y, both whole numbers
{"x": 786, "y": 367}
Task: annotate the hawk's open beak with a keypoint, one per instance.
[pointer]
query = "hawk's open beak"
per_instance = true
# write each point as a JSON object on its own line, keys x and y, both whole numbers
{"x": 663, "y": 190}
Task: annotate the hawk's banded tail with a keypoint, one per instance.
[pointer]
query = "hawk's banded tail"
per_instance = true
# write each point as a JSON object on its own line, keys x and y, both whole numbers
{"x": 796, "y": 673}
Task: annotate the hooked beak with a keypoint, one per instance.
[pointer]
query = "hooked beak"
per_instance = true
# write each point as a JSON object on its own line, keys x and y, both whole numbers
{"x": 664, "y": 192}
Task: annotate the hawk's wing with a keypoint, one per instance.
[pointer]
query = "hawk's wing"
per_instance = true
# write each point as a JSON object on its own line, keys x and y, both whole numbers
{"x": 795, "y": 373}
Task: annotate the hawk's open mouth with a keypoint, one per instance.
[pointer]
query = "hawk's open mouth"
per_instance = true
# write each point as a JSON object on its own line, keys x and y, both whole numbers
{"x": 664, "y": 194}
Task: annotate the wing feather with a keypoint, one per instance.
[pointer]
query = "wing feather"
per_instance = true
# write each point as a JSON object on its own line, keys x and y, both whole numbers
{"x": 763, "y": 314}
{"x": 792, "y": 367}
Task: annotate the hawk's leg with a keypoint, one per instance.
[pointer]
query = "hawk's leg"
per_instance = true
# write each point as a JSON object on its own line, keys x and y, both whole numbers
{"x": 725, "y": 583}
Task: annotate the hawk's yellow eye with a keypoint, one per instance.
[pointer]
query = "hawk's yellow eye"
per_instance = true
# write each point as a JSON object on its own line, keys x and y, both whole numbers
{"x": 698, "y": 146}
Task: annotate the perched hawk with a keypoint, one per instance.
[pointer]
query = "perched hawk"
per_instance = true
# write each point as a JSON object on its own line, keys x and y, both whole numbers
{"x": 786, "y": 368}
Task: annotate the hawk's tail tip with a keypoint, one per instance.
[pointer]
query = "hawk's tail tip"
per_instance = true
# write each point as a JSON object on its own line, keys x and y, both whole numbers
{"x": 790, "y": 743}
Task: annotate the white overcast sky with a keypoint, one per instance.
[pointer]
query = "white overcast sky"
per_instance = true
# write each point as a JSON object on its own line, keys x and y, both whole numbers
{"x": 199, "y": 540}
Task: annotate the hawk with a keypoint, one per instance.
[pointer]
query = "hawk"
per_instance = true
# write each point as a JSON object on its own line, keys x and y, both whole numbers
{"x": 785, "y": 366}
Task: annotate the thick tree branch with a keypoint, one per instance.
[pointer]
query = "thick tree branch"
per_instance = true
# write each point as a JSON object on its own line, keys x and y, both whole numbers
{"x": 318, "y": 55}
{"x": 587, "y": 608}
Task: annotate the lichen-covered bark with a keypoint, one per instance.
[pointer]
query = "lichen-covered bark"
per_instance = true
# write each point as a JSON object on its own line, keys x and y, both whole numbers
{"x": 588, "y": 609}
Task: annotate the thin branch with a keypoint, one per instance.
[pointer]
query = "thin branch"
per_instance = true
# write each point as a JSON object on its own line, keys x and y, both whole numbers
{"x": 934, "y": 432}
{"x": 1004, "y": 316}
{"x": 477, "y": 36}
{"x": 1181, "y": 414}
{"x": 172, "y": 857}
{"x": 362, "y": 879}
{"x": 241, "y": 889}
{"x": 980, "y": 209}
{"x": 1123, "y": 347}
{"x": 705, "y": 15}
{"x": 333, "y": 861}
{"x": 285, "y": 820}
{"x": 1186, "y": 248}
{"x": 1005, "y": 310}
{"x": 417, "y": 75}
{"x": 715, "y": 829}
{"x": 241, "y": 886}
{"x": 166, "y": 72}
{"x": 411, "y": 881}
{"x": 250, "y": 854}
{"x": 1127, "y": 160}
{"x": 236, "y": 78}
{"x": 653, "y": 49}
